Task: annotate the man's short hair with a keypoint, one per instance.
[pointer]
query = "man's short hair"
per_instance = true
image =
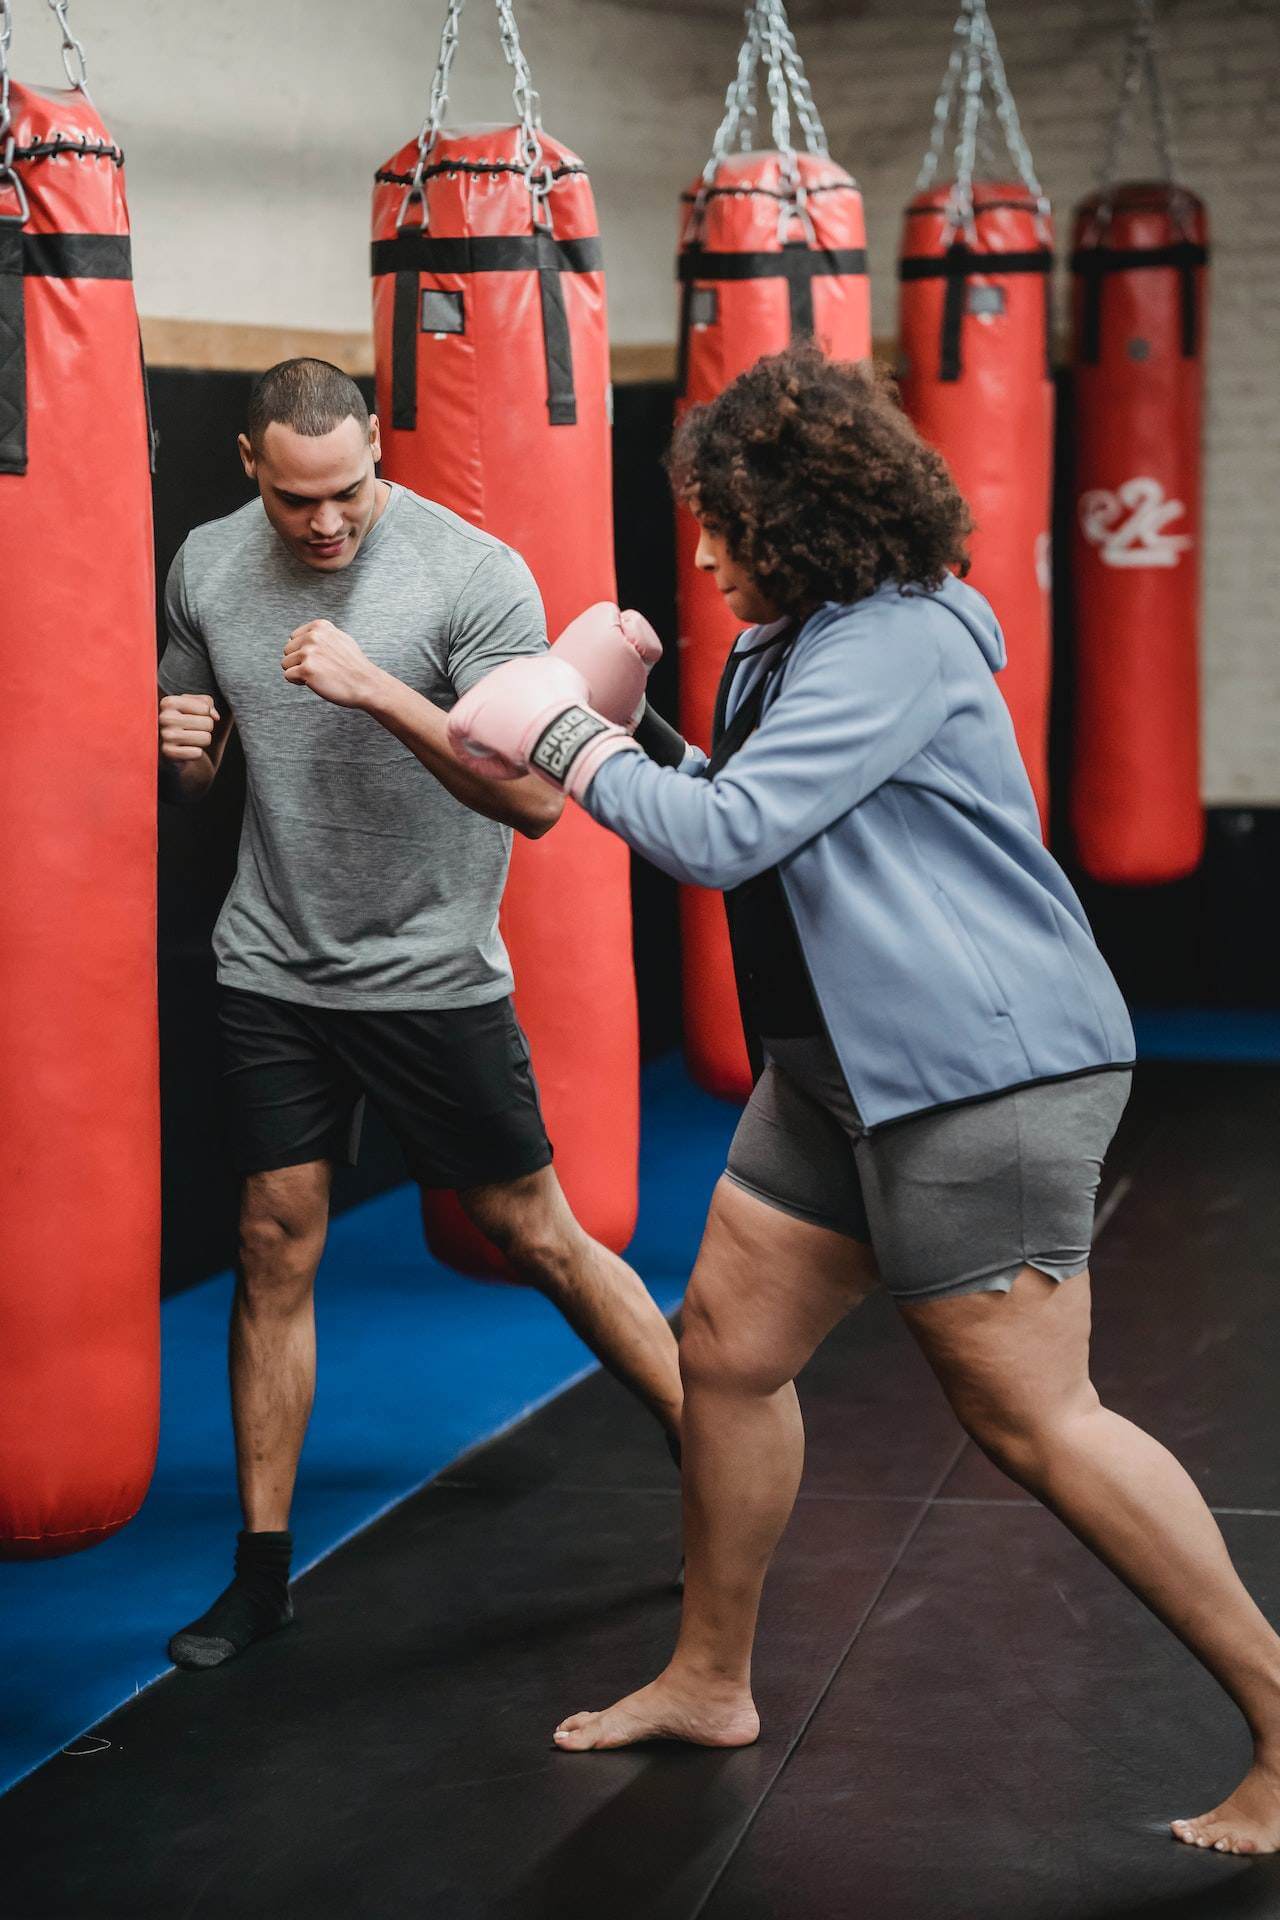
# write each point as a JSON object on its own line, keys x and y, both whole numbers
{"x": 311, "y": 396}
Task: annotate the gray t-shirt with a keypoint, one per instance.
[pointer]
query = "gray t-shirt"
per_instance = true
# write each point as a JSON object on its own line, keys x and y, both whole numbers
{"x": 361, "y": 881}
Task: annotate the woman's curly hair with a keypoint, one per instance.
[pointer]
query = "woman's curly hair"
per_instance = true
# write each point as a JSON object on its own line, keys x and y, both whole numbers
{"x": 818, "y": 482}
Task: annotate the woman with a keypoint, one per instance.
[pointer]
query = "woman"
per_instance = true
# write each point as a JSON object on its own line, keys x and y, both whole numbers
{"x": 945, "y": 1053}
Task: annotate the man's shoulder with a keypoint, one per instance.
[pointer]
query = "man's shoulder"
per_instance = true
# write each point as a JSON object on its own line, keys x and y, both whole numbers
{"x": 433, "y": 528}
{"x": 233, "y": 535}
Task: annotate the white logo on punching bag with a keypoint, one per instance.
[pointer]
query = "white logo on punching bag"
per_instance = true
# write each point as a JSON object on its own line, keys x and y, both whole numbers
{"x": 1129, "y": 526}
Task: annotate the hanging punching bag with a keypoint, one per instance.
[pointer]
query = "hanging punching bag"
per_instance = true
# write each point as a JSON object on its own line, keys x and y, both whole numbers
{"x": 493, "y": 392}
{"x": 1138, "y": 265}
{"x": 79, "y": 1102}
{"x": 976, "y": 380}
{"x": 772, "y": 248}
{"x": 976, "y": 372}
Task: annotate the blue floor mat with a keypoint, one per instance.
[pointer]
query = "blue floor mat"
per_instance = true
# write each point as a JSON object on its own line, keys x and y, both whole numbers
{"x": 1237, "y": 1034}
{"x": 416, "y": 1365}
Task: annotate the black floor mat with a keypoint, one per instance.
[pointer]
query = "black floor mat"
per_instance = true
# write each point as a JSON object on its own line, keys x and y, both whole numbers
{"x": 964, "y": 1716}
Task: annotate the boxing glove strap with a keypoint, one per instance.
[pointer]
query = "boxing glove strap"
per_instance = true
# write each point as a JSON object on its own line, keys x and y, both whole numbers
{"x": 560, "y": 743}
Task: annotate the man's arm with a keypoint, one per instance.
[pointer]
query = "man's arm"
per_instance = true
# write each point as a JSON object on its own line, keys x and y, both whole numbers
{"x": 193, "y": 739}
{"x": 193, "y": 732}
{"x": 322, "y": 657}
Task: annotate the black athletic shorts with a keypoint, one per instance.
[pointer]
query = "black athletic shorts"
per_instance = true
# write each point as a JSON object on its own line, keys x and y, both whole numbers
{"x": 453, "y": 1084}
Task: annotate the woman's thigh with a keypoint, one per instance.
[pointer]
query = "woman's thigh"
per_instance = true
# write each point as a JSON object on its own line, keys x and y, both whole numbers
{"x": 1010, "y": 1362}
{"x": 766, "y": 1290}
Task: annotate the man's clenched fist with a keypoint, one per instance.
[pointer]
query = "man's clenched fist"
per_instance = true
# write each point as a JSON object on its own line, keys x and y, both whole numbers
{"x": 324, "y": 658}
{"x": 187, "y": 722}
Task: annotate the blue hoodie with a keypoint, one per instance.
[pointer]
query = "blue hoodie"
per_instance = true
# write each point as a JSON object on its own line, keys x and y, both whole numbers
{"x": 948, "y": 953}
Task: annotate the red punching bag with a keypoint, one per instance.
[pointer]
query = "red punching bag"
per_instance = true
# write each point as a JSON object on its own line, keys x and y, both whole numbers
{"x": 976, "y": 372}
{"x": 79, "y": 1101}
{"x": 492, "y": 356}
{"x": 1138, "y": 265}
{"x": 772, "y": 247}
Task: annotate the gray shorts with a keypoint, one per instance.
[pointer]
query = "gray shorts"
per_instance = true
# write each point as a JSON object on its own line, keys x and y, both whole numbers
{"x": 952, "y": 1202}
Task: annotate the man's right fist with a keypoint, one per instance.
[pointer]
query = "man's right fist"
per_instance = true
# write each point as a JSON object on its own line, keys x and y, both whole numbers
{"x": 187, "y": 722}
{"x": 614, "y": 652}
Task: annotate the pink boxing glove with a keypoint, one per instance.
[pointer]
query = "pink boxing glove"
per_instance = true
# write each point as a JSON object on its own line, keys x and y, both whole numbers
{"x": 533, "y": 716}
{"x": 482, "y": 730}
{"x": 614, "y": 652}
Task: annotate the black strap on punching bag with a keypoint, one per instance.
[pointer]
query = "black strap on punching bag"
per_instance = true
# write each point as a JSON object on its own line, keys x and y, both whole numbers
{"x": 797, "y": 263}
{"x": 414, "y": 253}
{"x": 1093, "y": 264}
{"x": 50, "y": 256}
{"x": 957, "y": 266}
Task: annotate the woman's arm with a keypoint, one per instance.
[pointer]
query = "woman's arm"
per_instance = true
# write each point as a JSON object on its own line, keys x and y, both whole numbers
{"x": 859, "y": 702}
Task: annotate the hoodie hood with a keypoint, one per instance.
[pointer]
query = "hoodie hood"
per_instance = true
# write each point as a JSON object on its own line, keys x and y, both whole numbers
{"x": 974, "y": 611}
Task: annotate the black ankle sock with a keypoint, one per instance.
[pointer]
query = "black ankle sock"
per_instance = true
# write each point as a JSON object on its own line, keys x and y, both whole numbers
{"x": 256, "y": 1603}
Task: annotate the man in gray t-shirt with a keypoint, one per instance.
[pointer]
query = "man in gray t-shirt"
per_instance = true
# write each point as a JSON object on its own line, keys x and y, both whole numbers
{"x": 358, "y": 949}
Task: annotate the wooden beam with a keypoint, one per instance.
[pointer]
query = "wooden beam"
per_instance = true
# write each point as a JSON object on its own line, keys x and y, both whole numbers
{"x": 229, "y": 347}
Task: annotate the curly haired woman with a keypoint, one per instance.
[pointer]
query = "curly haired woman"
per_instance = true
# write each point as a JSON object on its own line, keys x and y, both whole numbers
{"x": 945, "y": 1053}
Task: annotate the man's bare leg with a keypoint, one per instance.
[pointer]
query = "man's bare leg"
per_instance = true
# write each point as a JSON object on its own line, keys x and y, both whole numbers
{"x": 1016, "y": 1369}
{"x": 284, "y": 1217}
{"x": 766, "y": 1290}
{"x": 603, "y": 1299}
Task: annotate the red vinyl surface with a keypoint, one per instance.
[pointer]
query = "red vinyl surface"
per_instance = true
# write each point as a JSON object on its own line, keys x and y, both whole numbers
{"x": 994, "y": 426}
{"x": 752, "y": 318}
{"x": 79, "y": 1098}
{"x": 484, "y": 446}
{"x": 1135, "y": 801}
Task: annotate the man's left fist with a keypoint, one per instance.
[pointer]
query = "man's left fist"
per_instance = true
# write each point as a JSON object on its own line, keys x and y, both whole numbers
{"x": 321, "y": 656}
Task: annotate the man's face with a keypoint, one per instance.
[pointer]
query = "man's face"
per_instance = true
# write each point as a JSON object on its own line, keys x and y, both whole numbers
{"x": 741, "y": 593}
{"x": 320, "y": 493}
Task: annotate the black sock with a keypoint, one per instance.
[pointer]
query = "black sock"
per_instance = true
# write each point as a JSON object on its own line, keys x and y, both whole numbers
{"x": 256, "y": 1603}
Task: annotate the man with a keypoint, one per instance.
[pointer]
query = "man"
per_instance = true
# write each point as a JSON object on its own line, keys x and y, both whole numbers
{"x": 358, "y": 948}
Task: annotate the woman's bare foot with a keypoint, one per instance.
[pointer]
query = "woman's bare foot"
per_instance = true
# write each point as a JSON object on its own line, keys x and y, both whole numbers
{"x": 704, "y": 1712}
{"x": 1247, "y": 1822}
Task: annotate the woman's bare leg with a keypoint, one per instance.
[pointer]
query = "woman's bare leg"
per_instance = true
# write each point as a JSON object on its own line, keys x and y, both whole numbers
{"x": 766, "y": 1290}
{"x": 1016, "y": 1369}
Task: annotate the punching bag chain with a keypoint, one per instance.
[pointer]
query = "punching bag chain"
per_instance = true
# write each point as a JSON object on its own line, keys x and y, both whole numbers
{"x": 416, "y": 190}
{"x": 1140, "y": 64}
{"x": 537, "y": 173}
{"x": 10, "y": 179}
{"x": 975, "y": 68}
{"x": 815, "y": 134}
{"x": 768, "y": 38}
{"x": 74, "y": 63}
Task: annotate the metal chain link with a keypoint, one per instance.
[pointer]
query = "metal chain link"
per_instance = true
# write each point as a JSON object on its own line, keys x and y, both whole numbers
{"x": 960, "y": 204}
{"x": 538, "y": 174}
{"x": 1140, "y": 64}
{"x": 6, "y": 40}
{"x": 74, "y": 62}
{"x": 942, "y": 109}
{"x": 739, "y": 99}
{"x": 10, "y": 179}
{"x": 975, "y": 67}
{"x": 769, "y": 42}
{"x": 815, "y": 134}
{"x": 430, "y": 132}
{"x": 1011, "y": 125}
